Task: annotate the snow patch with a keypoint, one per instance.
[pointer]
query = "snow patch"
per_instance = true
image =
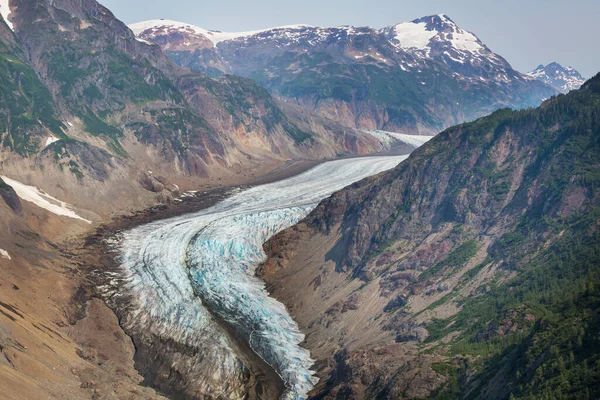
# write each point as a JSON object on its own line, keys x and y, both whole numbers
{"x": 43, "y": 200}
{"x": 143, "y": 41}
{"x": 466, "y": 41}
{"x": 5, "y": 11}
{"x": 4, "y": 254}
{"x": 51, "y": 139}
{"x": 413, "y": 36}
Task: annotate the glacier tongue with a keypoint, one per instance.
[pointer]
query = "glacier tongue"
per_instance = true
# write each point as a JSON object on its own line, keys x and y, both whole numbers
{"x": 179, "y": 269}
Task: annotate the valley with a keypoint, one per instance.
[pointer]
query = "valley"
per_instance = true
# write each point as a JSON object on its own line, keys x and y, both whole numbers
{"x": 391, "y": 211}
{"x": 180, "y": 273}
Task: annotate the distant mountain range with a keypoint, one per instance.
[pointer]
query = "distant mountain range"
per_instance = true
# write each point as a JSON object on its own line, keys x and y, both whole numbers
{"x": 413, "y": 77}
{"x": 562, "y": 79}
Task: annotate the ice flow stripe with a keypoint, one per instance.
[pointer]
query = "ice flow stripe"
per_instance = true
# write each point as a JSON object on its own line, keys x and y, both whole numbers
{"x": 213, "y": 254}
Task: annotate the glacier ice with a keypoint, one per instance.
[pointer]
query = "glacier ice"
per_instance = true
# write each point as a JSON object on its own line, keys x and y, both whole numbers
{"x": 181, "y": 270}
{"x": 391, "y": 139}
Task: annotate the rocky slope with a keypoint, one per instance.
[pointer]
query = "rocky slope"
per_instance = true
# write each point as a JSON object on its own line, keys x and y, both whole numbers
{"x": 55, "y": 342}
{"x": 560, "y": 78}
{"x": 470, "y": 271}
{"x": 415, "y": 77}
{"x": 94, "y": 120}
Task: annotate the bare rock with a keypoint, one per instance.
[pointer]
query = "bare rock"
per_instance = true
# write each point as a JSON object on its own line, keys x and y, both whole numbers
{"x": 10, "y": 197}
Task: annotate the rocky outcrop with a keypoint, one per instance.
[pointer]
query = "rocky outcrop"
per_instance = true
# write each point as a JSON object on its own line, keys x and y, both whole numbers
{"x": 474, "y": 216}
{"x": 10, "y": 197}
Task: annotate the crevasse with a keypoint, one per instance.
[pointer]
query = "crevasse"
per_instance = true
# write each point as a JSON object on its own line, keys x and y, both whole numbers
{"x": 179, "y": 268}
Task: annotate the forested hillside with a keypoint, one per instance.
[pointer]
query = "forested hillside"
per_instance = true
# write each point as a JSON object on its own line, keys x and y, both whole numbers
{"x": 477, "y": 262}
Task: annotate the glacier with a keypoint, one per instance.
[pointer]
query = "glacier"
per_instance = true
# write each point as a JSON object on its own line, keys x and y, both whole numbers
{"x": 181, "y": 272}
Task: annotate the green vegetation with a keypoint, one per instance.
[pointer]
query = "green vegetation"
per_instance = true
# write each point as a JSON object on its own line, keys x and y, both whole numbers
{"x": 27, "y": 108}
{"x": 4, "y": 185}
{"x": 538, "y": 330}
{"x": 97, "y": 127}
{"x": 93, "y": 93}
{"x": 457, "y": 258}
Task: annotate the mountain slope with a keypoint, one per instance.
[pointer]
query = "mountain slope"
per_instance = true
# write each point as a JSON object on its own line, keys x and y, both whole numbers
{"x": 470, "y": 271}
{"x": 93, "y": 109}
{"x": 28, "y": 115}
{"x": 415, "y": 77}
{"x": 562, "y": 79}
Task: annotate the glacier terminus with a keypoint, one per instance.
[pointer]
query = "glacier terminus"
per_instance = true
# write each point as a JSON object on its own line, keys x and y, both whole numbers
{"x": 181, "y": 272}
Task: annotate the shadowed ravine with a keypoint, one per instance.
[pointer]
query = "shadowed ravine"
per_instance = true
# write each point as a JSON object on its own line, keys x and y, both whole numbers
{"x": 182, "y": 270}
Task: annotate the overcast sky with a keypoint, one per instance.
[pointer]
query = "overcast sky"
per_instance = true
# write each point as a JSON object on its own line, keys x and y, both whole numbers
{"x": 526, "y": 32}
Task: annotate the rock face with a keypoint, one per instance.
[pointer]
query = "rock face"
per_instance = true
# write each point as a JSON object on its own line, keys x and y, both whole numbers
{"x": 10, "y": 197}
{"x": 415, "y": 77}
{"x": 560, "y": 78}
{"x": 28, "y": 114}
{"x": 449, "y": 249}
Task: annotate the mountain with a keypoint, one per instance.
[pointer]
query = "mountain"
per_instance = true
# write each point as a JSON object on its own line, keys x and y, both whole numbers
{"x": 94, "y": 125}
{"x": 90, "y": 106}
{"x": 562, "y": 79}
{"x": 415, "y": 77}
{"x": 28, "y": 114}
{"x": 469, "y": 271}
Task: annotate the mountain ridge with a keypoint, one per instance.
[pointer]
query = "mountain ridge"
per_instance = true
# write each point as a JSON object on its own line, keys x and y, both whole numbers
{"x": 563, "y": 79}
{"x": 416, "y": 77}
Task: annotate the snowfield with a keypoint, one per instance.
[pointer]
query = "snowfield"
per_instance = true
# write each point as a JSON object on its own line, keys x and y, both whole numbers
{"x": 178, "y": 269}
{"x": 4, "y": 254}
{"x": 43, "y": 200}
{"x": 413, "y": 36}
{"x": 51, "y": 139}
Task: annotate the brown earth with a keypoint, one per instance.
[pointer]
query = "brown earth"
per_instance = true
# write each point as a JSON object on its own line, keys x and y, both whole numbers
{"x": 57, "y": 339}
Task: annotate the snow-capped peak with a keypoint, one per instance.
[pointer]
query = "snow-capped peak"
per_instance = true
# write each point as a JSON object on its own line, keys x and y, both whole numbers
{"x": 146, "y": 29}
{"x": 561, "y": 78}
{"x": 423, "y": 33}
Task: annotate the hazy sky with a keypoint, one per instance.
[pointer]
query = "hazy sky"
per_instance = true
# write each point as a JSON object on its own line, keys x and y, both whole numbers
{"x": 526, "y": 32}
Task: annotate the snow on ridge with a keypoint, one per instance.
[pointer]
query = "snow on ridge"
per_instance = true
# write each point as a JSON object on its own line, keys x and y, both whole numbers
{"x": 5, "y": 11}
{"x": 464, "y": 40}
{"x": 415, "y": 35}
{"x": 4, "y": 254}
{"x": 561, "y": 78}
{"x": 391, "y": 139}
{"x": 43, "y": 200}
{"x": 214, "y": 36}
